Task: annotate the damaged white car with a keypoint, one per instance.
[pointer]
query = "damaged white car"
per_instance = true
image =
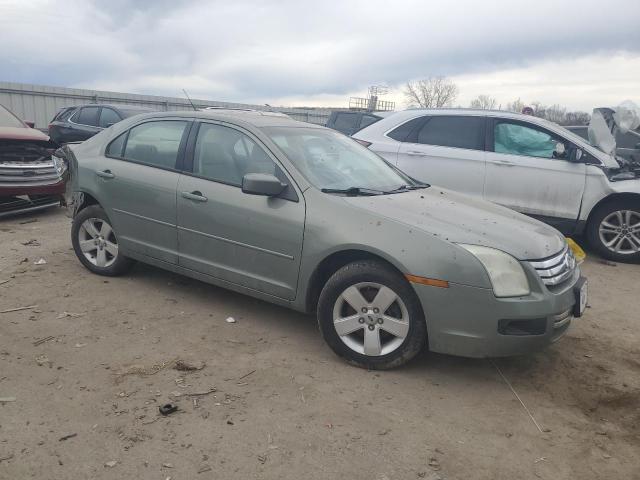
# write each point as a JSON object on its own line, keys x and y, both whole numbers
{"x": 528, "y": 164}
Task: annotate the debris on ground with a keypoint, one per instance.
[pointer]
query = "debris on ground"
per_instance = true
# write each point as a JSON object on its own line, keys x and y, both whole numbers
{"x": 44, "y": 360}
{"x": 67, "y": 437}
{"x": 17, "y": 309}
{"x": 143, "y": 370}
{"x": 2, "y": 282}
{"x": 70, "y": 314}
{"x": 230, "y": 320}
{"x": 184, "y": 366}
{"x": 8, "y": 457}
{"x": 607, "y": 262}
{"x": 247, "y": 374}
{"x": 434, "y": 463}
{"x": 167, "y": 409}
{"x": 31, "y": 243}
{"x": 42, "y": 261}
{"x": 111, "y": 464}
{"x": 204, "y": 468}
{"x": 7, "y": 399}
{"x": 29, "y": 220}
{"x": 200, "y": 394}
{"x": 43, "y": 340}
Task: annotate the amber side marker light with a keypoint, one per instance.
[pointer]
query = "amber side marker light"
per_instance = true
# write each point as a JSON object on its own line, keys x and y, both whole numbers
{"x": 432, "y": 282}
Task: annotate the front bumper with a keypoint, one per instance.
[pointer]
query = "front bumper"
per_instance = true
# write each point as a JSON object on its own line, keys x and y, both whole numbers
{"x": 471, "y": 322}
{"x": 35, "y": 188}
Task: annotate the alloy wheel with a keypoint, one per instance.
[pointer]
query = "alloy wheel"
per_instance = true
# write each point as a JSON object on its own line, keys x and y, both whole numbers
{"x": 371, "y": 319}
{"x": 620, "y": 232}
{"x": 98, "y": 242}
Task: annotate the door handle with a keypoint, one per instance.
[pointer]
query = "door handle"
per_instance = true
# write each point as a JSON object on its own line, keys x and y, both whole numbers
{"x": 105, "y": 174}
{"x": 196, "y": 196}
{"x": 414, "y": 153}
{"x": 504, "y": 163}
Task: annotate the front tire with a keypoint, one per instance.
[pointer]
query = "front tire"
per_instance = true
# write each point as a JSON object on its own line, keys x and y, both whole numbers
{"x": 96, "y": 244}
{"x": 614, "y": 231}
{"x": 370, "y": 316}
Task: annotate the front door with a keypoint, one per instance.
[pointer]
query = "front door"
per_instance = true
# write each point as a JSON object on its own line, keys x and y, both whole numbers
{"x": 447, "y": 151}
{"x": 247, "y": 240}
{"x": 526, "y": 171}
{"x": 137, "y": 178}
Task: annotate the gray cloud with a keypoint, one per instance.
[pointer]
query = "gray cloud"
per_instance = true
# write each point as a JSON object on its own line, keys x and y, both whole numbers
{"x": 251, "y": 50}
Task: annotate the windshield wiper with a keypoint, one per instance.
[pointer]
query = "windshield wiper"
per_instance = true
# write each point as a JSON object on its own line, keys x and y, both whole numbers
{"x": 353, "y": 191}
{"x": 406, "y": 188}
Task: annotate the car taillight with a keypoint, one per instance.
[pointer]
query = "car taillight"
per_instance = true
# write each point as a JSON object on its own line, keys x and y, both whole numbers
{"x": 363, "y": 142}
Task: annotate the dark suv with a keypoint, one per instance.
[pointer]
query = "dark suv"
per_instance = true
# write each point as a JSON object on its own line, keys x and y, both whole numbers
{"x": 75, "y": 124}
{"x": 351, "y": 122}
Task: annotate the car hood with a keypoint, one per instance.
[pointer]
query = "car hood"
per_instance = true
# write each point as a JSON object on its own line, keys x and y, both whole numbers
{"x": 19, "y": 133}
{"x": 459, "y": 218}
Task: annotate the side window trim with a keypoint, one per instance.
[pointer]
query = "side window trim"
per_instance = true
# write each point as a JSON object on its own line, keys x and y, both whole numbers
{"x": 496, "y": 120}
{"x": 180, "y": 158}
{"x": 413, "y": 131}
{"x": 280, "y": 172}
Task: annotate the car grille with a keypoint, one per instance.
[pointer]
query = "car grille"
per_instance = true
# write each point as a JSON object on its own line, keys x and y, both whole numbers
{"x": 32, "y": 173}
{"x": 556, "y": 269}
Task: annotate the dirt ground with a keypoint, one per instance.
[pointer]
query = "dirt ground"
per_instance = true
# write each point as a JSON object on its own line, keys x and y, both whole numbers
{"x": 95, "y": 357}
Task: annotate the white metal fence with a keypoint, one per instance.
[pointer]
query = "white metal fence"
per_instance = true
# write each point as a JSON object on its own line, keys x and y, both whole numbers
{"x": 39, "y": 103}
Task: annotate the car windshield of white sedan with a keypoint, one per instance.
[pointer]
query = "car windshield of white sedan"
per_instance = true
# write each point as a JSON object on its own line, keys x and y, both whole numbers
{"x": 331, "y": 161}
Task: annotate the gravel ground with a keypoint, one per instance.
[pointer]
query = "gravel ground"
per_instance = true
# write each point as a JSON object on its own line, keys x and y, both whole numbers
{"x": 90, "y": 363}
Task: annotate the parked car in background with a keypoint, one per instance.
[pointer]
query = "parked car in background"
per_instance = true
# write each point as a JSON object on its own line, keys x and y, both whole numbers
{"x": 76, "y": 124}
{"x": 299, "y": 215}
{"x": 350, "y": 122}
{"x": 522, "y": 162}
{"x": 30, "y": 177}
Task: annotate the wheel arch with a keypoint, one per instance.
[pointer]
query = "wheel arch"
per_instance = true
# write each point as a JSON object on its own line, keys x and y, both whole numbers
{"x": 614, "y": 197}
{"x": 331, "y": 264}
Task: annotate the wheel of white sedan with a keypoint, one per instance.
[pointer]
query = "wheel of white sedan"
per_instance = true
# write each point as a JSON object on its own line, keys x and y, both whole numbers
{"x": 614, "y": 230}
{"x": 96, "y": 244}
{"x": 369, "y": 314}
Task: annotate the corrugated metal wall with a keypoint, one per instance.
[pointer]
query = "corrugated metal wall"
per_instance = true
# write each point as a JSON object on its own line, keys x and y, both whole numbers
{"x": 40, "y": 103}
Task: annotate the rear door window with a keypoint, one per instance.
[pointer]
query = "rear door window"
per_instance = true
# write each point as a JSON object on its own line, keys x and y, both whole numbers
{"x": 87, "y": 116}
{"x": 108, "y": 117}
{"x": 155, "y": 143}
{"x": 453, "y": 131}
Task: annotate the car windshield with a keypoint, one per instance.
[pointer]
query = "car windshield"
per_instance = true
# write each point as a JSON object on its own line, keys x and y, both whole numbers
{"x": 8, "y": 119}
{"x": 332, "y": 161}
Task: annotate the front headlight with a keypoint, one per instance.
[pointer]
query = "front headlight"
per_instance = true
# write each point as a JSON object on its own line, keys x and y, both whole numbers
{"x": 59, "y": 164}
{"x": 505, "y": 272}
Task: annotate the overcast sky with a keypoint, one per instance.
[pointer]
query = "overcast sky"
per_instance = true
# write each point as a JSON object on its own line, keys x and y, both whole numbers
{"x": 576, "y": 53}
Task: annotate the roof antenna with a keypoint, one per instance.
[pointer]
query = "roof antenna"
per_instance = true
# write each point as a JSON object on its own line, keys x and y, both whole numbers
{"x": 187, "y": 95}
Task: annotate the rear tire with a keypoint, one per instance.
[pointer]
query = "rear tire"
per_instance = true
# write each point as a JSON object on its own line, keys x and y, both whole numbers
{"x": 370, "y": 316}
{"x": 96, "y": 244}
{"x": 614, "y": 230}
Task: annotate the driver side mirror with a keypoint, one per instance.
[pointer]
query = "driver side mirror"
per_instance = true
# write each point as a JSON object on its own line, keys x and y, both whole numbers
{"x": 262, "y": 184}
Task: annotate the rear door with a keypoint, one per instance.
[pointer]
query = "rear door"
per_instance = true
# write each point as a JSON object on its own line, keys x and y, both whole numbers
{"x": 446, "y": 150}
{"x": 83, "y": 124}
{"x": 524, "y": 173}
{"x": 137, "y": 180}
{"x": 247, "y": 240}
{"x": 108, "y": 117}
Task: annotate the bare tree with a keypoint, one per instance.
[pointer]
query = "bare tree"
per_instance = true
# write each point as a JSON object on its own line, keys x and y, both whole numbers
{"x": 432, "y": 92}
{"x": 515, "y": 106}
{"x": 484, "y": 102}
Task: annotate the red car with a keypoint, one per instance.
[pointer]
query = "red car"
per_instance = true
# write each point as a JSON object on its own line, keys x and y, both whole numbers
{"x": 31, "y": 178}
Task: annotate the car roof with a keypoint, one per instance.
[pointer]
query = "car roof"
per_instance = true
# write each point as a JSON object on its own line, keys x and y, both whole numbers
{"x": 252, "y": 117}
